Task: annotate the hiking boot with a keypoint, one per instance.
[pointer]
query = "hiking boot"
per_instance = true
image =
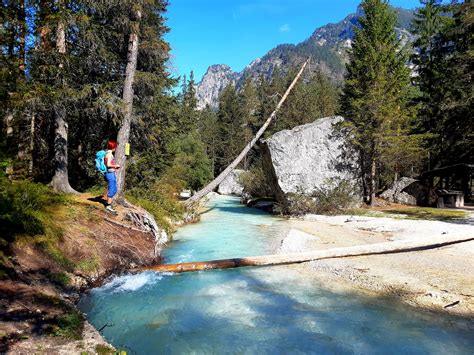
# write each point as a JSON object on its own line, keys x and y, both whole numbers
{"x": 110, "y": 209}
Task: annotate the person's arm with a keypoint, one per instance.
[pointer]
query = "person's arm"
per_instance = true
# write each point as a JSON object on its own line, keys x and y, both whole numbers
{"x": 108, "y": 161}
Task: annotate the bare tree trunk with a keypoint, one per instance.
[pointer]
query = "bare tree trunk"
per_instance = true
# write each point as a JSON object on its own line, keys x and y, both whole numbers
{"x": 21, "y": 35}
{"x": 127, "y": 97}
{"x": 399, "y": 246}
{"x": 214, "y": 183}
{"x": 44, "y": 30}
{"x": 372, "y": 182}
{"x": 60, "y": 181}
{"x": 32, "y": 144}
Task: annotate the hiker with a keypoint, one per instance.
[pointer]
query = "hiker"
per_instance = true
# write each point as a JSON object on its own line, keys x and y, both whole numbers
{"x": 109, "y": 176}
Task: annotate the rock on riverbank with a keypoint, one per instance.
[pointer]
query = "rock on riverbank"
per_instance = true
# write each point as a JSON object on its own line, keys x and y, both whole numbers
{"x": 306, "y": 158}
{"x": 231, "y": 184}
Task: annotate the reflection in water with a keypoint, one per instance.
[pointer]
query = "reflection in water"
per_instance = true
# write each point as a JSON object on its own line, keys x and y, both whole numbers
{"x": 251, "y": 310}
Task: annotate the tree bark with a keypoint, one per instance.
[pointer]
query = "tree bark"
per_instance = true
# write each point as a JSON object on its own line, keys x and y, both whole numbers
{"x": 32, "y": 144}
{"x": 372, "y": 182}
{"x": 127, "y": 97}
{"x": 214, "y": 183}
{"x": 21, "y": 36}
{"x": 60, "y": 181}
{"x": 293, "y": 258}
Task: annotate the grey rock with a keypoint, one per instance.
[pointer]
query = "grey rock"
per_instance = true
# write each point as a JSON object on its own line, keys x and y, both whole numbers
{"x": 231, "y": 184}
{"x": 216, "y": 79}
{"x": 306, "y": 158}
{"x": 407, "y": 191}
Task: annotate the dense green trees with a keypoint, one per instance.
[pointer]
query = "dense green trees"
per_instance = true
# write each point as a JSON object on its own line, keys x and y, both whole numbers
{"x": 243, "y": 111}
{"x": 375, "y": 97}
{"x": 444, "y": 62}
{"x": 70, "y": 81}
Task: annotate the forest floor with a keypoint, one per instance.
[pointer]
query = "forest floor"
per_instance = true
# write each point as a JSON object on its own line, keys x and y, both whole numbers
{"x": 37, "y": 300}
{"x": 440, "y": 279}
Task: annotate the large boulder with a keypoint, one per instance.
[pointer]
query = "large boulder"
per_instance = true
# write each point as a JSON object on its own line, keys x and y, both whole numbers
{"x": 231, "y": 184}
{"x": 407, "y": 191}
{"x": 306, "y": 158}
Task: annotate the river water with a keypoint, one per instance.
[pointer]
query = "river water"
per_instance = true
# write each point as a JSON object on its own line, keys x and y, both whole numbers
{"x": 272, "y": 310}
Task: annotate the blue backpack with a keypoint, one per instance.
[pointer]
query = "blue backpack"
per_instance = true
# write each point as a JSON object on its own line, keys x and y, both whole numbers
{"x": 100, "y": 161}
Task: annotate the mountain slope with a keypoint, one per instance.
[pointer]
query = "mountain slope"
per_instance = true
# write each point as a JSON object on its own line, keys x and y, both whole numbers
{"x": 327, "y": 47}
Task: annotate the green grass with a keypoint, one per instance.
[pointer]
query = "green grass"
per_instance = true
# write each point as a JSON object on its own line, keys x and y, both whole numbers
{"x": 428, "y": 213}
{"x": 60, "y": 278}
{"x": 104, "y": 350}
{"x": 88, "y": 265}
{"x": 415, "y": 213}
{"x": 69, "y": 326}
{"x": 163, "y": 209}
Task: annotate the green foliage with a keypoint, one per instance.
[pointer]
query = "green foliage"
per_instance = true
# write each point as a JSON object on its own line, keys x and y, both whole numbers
{"x": 335, "y": 197}
{"x": 24, "y": 209}
{"x": 190, "y": 164}
{"x": 88, "y": 265}
{"x": 104, "y": 350}
{"x": 427, "y": 213}
{"x": 69, "y": 326}
{"x": 376, "y": 93}
{"x": 160, "y": 200}
{"x": 60, "y": 278}
{"x": 444, "y": 61}
{"x": 254, "y": 181}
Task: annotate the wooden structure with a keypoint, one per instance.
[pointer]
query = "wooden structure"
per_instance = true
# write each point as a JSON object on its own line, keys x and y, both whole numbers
{"x": 283, "y": 259}
{"x": 452, "y": 179}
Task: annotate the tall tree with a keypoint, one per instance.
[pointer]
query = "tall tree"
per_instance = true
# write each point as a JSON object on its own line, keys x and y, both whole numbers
{"x": 375, "y": 94}
{"x": 430, "y": 24}
{"x": 127, "y": 97}
{"x": 60, "y": 180}
{"x": 231, "y": 127}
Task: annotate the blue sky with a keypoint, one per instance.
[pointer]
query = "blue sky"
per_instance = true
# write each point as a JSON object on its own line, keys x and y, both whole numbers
{"x": 235, "y": 32}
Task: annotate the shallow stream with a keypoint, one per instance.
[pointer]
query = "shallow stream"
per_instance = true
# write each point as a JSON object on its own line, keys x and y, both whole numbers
{"x": 272, "y": 310}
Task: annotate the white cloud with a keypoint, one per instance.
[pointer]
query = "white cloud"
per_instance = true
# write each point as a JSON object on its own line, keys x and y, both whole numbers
{"x": 285, "y": 28}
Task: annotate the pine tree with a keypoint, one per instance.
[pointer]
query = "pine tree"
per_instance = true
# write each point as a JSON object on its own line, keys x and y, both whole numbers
{"x": 231, "y": 127}
{"x": 430, "y": 24}
{"x": 248, "y": 102}
{"x": 444, "y": 64}
{"x": 375, "y": 94}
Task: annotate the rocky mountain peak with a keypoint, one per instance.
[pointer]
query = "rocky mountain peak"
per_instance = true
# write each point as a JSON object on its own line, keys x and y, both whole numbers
{"x": 217, "y": 77}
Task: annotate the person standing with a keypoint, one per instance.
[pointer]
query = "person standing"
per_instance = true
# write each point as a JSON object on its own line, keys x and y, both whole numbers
{"x": 110, "y": 177}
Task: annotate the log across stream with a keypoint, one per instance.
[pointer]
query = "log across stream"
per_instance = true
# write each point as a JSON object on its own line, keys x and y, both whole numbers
{"x": 283, "y": 259}
{"x": 256, "y": 310}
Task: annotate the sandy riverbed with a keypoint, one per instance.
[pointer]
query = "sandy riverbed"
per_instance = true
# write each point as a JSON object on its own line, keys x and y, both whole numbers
{"x": 440, "y": 279}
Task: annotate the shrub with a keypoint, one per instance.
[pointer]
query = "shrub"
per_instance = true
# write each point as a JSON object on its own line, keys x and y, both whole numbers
{"x": 160, "y": 200}
{"x": 254, "y": 181}
{"x": 24, "y": 209}
{"x": 69, "y": 326}
{"x": 332, "y": 198}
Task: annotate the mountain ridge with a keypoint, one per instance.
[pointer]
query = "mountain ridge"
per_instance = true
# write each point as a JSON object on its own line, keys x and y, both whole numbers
{"x": 327, "y": 46}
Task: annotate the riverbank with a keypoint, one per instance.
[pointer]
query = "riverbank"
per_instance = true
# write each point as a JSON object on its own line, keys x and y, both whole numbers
{"x": 42, "y": 282}
{"x": 440, "y": 280}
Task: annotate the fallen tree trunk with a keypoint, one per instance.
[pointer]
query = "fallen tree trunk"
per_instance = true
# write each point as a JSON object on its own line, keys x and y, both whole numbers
{"x": 293, "y": 258}
{"x": 214, "y": 183}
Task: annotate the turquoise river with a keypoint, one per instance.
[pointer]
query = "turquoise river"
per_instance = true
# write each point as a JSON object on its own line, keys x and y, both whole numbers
{"x": 271, "y": 310}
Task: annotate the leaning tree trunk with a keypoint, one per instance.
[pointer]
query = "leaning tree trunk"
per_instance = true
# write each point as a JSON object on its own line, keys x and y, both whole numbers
{"x": 127, "y": 97}
{"x": 60, "y": 181}
{"x": 214, "y": 183}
